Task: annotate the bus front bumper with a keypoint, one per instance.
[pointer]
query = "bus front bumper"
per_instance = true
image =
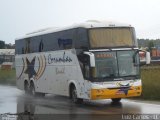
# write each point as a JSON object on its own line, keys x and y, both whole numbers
{"x": 109, "y": 93}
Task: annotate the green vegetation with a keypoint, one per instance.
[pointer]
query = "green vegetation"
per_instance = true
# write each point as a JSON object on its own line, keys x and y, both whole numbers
{"x": 2, "y": 44}
{"x": 8, "y": 77}
{"x": 150, "y": 76}
{"x": 148, "y": 43}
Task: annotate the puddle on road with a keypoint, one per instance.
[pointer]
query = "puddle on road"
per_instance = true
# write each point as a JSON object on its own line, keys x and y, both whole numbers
{"x": 8, "y": 99}
{"x": 13, "y": 100}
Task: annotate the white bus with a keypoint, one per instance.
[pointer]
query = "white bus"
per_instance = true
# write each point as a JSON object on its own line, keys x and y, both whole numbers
{"x": 93, "y": 60}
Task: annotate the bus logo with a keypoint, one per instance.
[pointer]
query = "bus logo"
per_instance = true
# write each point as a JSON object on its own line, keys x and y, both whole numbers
{"x": 29, "y": 67}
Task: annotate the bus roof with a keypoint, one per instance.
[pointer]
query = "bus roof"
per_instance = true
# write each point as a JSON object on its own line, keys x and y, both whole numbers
{"x": 87, "y": 25}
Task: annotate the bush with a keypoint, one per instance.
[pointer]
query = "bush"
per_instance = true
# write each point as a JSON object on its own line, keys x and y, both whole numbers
{"x": 150, "y": 82}
{"x": 8, "y": 77}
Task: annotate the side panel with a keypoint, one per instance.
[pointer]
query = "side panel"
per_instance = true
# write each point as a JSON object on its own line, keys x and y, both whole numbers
{"x": 52, "y": 72}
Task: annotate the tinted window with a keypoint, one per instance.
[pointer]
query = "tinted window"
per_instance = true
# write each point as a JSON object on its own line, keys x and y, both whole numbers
{"x": 67, "y": 39}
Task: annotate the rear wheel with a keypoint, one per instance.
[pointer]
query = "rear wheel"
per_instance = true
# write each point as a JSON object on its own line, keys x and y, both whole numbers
{"x": 116, "y": 100}
{"x": 34, "y": 93}
{"x": 74, "y": 96}
{"x": 32, "y": 89}
{"x": 26, "y": 88}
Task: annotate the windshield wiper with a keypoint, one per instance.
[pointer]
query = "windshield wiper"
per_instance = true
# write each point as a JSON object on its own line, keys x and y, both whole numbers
{"x": 103, "y": 78}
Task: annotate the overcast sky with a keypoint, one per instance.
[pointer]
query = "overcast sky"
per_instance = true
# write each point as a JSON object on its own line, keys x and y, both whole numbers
{"x": 18, "y": 17}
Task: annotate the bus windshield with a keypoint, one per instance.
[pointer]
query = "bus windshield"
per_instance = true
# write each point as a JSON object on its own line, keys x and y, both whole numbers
{"x": 112, "y": 37}
{"x": 116, "y": 64}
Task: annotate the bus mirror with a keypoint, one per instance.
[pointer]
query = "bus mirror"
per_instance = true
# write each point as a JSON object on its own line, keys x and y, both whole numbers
{"x": 145, "y": 57}
{"x": 92, "y": 61}
{"x": 148, "y": 58}
{"x": 91, "y": 57}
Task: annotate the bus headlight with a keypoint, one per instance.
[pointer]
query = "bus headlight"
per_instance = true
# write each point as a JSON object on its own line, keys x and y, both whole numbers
{"x": 137, "y": 88}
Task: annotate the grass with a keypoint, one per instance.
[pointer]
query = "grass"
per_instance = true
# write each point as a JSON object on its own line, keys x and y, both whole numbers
{"x": 8, "y": 77}
{"x": 150, "y": 76}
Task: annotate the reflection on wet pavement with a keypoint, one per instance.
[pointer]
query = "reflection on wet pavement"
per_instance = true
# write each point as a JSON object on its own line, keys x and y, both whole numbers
{"x": 13, "y": 100}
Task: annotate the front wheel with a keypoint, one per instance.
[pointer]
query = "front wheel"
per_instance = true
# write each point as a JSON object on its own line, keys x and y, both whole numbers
{"x": 74, "y": 96}
{"x": 116, "y": 100}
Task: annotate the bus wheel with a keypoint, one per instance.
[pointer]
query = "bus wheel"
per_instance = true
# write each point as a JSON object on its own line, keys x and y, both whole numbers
{"x": 26, "y": 87}
{"x": 74, "y": 96}
{"x": 32, "y": 89}
{"x": 116, "y": 100}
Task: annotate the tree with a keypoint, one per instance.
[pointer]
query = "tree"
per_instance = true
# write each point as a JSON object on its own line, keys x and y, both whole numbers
{"x": 150, "y": 45}
{"x": 9, "y": 46}
{"x": 2, "y": 44}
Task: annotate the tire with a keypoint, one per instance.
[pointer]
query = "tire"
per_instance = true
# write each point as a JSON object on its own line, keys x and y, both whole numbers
{"x": 26, "y": 88}
{"x": 116, "y": 100}
{"x": 32, "y": 89}
{"x": 74, "y": 96}
{"x": 34, "y": 93}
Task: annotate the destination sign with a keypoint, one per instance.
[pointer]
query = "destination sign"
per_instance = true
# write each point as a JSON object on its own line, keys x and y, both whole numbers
{"x": 104, "y": 55}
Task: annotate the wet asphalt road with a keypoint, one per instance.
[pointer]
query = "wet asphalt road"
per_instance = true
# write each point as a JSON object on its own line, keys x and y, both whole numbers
{"x": 14, "y": 101}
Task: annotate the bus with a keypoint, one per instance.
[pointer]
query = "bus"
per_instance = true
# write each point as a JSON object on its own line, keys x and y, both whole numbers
{"x": 92, "y": 60}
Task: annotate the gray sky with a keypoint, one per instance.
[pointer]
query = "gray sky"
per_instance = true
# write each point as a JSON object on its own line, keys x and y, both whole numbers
{"x": 18, "y": 17}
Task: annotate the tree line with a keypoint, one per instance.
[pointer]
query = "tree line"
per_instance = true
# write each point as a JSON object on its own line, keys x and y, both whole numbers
{"x": 149, "y": 43}
{"x": 6, "y": 46}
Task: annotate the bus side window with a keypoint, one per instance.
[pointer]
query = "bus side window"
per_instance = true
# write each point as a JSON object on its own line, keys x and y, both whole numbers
{"x": 41, "y": 46}
{"x": 81, "y": 41}
{"x": 22, "y": 50}
{"x": 27, "y": 48}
